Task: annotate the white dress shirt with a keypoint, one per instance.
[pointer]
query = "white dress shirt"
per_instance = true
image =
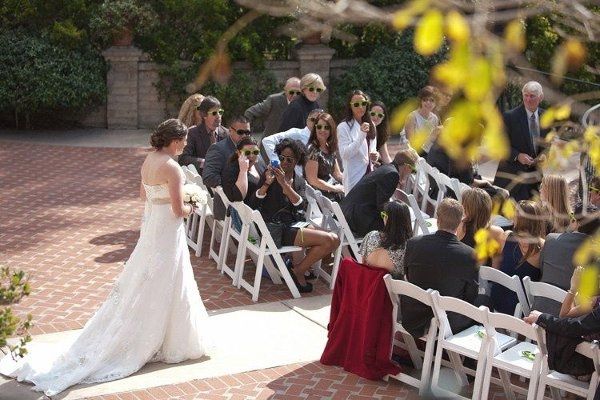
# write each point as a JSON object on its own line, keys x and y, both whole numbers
{"x": 354, "y": 152}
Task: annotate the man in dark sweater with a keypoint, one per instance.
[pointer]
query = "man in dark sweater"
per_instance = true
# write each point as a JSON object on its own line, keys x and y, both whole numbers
{"x": 442, "y": 262}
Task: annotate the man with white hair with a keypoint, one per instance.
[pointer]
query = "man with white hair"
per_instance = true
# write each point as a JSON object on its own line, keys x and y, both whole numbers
{"x": 522, "y": 126}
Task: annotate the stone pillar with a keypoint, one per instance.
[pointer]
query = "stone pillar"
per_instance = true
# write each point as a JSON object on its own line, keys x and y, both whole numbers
{"x": 316, "y": 58}
{"x": 122, "y": 86}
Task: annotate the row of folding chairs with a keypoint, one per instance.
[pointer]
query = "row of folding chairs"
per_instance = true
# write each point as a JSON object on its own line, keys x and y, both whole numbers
{"x": 493, "y": 341}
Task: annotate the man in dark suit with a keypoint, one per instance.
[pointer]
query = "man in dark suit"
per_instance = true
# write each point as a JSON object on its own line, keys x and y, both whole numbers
{"x": 362, "y": 206}
{"x": 441, "y": 262}
{"x": 270, "y": 110}
{"x": 202, "y": 136}
{"x": 217, "y": 156}
{"x": 522, "y": 125}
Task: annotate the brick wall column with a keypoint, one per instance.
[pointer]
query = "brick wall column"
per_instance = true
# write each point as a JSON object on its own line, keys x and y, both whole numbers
{"x": 316, "y": 58}
{"x": 122, "y": 86}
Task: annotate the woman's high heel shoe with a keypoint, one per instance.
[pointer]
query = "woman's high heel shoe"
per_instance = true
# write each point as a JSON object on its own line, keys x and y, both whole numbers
{"x": 301, "y": 288}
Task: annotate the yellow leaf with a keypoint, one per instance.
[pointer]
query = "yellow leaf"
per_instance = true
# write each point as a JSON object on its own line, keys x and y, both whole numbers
{"x": 418, "y": 139}
{"x": 575, "y": 54}
{"x": 429, "y": 34}
{"x": 514, "y": 36}
{"x": 402, "y": 19}
{"x": 480, "y": 81}
{"x": 457, "y": 27}
{"x": 401, "y": 112}
{"x": 563, "y": 112}
{"x": 547, "y": 118}
{"x": 588, "y": 286}
{"x": 509, "y": 209}
{"x": 559, "y": 64}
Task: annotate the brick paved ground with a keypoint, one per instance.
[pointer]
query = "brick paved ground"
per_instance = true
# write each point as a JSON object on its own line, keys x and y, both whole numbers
{"x": 70, "y": 218}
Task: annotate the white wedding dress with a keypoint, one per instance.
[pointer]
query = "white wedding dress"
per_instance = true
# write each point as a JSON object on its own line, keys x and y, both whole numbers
{"x": 154, "y": 313}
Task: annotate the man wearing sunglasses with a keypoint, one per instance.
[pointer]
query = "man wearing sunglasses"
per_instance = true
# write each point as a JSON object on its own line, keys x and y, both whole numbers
{"x": 217, "y": 157}
{"x": 201, "y": 136}
{"x": 268, "y": 112}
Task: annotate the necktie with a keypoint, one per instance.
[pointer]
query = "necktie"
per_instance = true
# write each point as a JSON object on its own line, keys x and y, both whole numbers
{"x": 534, "y": 131}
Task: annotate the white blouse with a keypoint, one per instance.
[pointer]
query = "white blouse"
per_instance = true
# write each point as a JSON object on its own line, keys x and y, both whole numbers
{"x": 354, "y": 152}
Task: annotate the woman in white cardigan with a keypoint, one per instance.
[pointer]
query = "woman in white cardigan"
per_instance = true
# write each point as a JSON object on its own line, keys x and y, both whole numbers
{"x": 357, "y": 139}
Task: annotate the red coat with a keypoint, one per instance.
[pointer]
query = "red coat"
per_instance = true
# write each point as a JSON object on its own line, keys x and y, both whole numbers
{"x": 360, "y": 325}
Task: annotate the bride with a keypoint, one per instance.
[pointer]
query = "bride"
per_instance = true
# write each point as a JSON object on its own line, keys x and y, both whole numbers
{"x": 154, "y": 312}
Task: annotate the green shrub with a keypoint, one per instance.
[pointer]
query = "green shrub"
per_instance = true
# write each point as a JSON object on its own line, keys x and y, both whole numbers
{"x": 391, "y": 74}
{"x": 13, "y": 287}
{"x": 38, "y": 77}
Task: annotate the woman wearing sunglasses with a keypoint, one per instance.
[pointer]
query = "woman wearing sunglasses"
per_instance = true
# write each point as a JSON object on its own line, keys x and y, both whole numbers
{"x": 379, "y": 118}
{"x": 297, "y": 111}
{"x": 280, "y": 198}
{"x": 357, "y": 140}
{"x": 240, "y": 176}
{"x": 385, "y": 249}
{"x": 322, "y": 170}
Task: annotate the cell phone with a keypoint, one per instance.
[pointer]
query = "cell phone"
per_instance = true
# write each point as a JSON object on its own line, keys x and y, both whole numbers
{"x": 275, "y": 163}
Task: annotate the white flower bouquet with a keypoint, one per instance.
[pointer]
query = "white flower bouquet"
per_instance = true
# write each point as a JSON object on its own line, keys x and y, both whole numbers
{"x": 194, "y": 195}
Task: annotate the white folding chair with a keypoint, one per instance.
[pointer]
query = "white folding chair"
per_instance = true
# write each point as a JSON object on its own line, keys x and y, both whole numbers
{"x": 421, "y": 360}
{"x": 448, "y": 183}
{"x": 427, "y": 202}
{"x": 489, "y": 274}
{"x": 421, "y": 183}
{"x": 472, "y": 342}
{"x": 313, "y": 212}
{"x": 542, "y": 289}
{"x": 219, "y": 256}
{"x": 513, "y": 360}
{"x": 203, "y": 216}
{"x": 421, "y": 221}
{"x": 565, "y": 382}
{"x": 335, "y": 221}
{"x": 263, "y": 247}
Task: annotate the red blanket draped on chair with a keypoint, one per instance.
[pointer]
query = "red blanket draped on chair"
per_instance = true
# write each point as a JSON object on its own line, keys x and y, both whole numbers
{"x": 360, "y": 324}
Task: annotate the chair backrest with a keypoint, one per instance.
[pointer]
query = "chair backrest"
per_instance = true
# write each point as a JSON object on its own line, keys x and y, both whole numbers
{"x": 449, "y": 184}
{"x": 513, "y": 324}
{"x": 416, "y": 214}
{"x": 421, "y": 183}
{"x": 444, "y": 304}
{"x": 542, "y": 289}
{"x": 312, "y": 211}
{"x": 192, "y": 168}
{"x": 219, "y": 191}
{"x": 397, "y": 287}
{"x": 513, "y": 283}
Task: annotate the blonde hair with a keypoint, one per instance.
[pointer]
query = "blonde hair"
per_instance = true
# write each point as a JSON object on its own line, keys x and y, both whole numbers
{"x": 312, "y": 79}
{"x": 449, "y": 214}
{"x": 557, "y": 199}
{"x": 478, "y": 208}
{"x": 530, "y": 226}
{"x": 186, "y": 112}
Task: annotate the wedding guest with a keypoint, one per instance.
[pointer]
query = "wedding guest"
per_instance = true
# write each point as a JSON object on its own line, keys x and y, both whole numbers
{"x": 477, "y": 205}
{"x": 322, "y": 170}
{"x": 240, "y": 176}
{"x": 301, "y": 135}
{"x": 423, "y": 118}
{"x": 269, "y": 112}
{"x": 311, "y": 86}
{"x": 217, "y": 156}
{"x": 554, "y": 194}
{"x": 363, "y": 205}
{"x": 441, "y": 262}
{"x": 188, "y": 113}
{"x": 279, "y": 197}
{"x": 385, "y": 248}
{"x": 208, "y": 132}
{"x": 379, "y": 118}
{"x": 357, "y": 140}
{"x": 524, "y": 133}
{"x": 520, "y": 251}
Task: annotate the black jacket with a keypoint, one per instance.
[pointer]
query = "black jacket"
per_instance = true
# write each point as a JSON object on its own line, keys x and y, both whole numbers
{"x": 198, "y": 142}
{"x": 365, "y": 201}
{"x": 296, "y": 113}
{"x": 217, "y": 156}
{"x": 441, "y": 262}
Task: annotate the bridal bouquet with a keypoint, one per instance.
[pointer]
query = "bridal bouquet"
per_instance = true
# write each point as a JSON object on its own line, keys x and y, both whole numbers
{"x": 194, "y": 195}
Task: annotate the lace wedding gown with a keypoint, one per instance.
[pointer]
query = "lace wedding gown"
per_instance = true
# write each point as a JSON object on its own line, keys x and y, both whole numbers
{"x": 154, "y": 313}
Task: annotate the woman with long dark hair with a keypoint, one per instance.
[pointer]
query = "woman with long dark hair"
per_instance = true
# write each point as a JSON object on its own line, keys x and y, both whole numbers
{"x": 381, "y": 121}
{"x": 322, "y": 170}
{"x": 385, "y": 249}
{"x": 357, "y": 140}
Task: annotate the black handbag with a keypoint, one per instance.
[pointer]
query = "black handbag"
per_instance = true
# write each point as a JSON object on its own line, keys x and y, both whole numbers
{"x": 279, "y": 221}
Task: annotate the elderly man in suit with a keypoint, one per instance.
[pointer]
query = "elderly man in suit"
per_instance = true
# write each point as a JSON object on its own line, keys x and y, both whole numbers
{"x": 218, "y": 155}
{"x": 522, "y": 125}
{"x": 201, "y": 136}
{"x": 441, "y": 262}
{"x": 270, "y": 110}
{"x": 362, "y": 206}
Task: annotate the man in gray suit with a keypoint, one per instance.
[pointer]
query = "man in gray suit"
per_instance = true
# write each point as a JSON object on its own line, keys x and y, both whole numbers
{"x": 556, "y": 258}
{"x": 270, "y": 110}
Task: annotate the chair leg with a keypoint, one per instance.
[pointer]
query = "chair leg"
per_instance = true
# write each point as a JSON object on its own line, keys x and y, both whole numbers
{"x": 427, "y": 361}
{"x": 506, "y": 385}
{"x": 437, "y": 366}
{"x": 458, "y": 368}
{"x": 201, "y": 233}
{"x": 240, "y": 259}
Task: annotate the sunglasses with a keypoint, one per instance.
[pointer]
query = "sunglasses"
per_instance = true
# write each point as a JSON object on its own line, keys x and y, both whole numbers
{"x": 287, "y": 159}
{"x": 594, "y": 189}
{"x": 294, "y": 92}
{"x": 326, "y": 127}
{"x": 383, "y": 214}
{"x": 376, "y": 114}
{"x": 360, "y": 104}
{"x": 253, "y": 152}
{"x": 312, "y": 89}
{"x": 313, "y": 119}
{"x": 214, "y": 113}
{"x": 241, "y": 131}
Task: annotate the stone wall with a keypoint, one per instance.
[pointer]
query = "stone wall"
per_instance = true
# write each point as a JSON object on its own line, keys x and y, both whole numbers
{"x": 133, "y": 100}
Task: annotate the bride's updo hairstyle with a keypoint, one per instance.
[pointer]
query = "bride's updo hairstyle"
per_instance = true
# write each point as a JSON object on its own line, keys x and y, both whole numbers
{"x": 171, "y": 129}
